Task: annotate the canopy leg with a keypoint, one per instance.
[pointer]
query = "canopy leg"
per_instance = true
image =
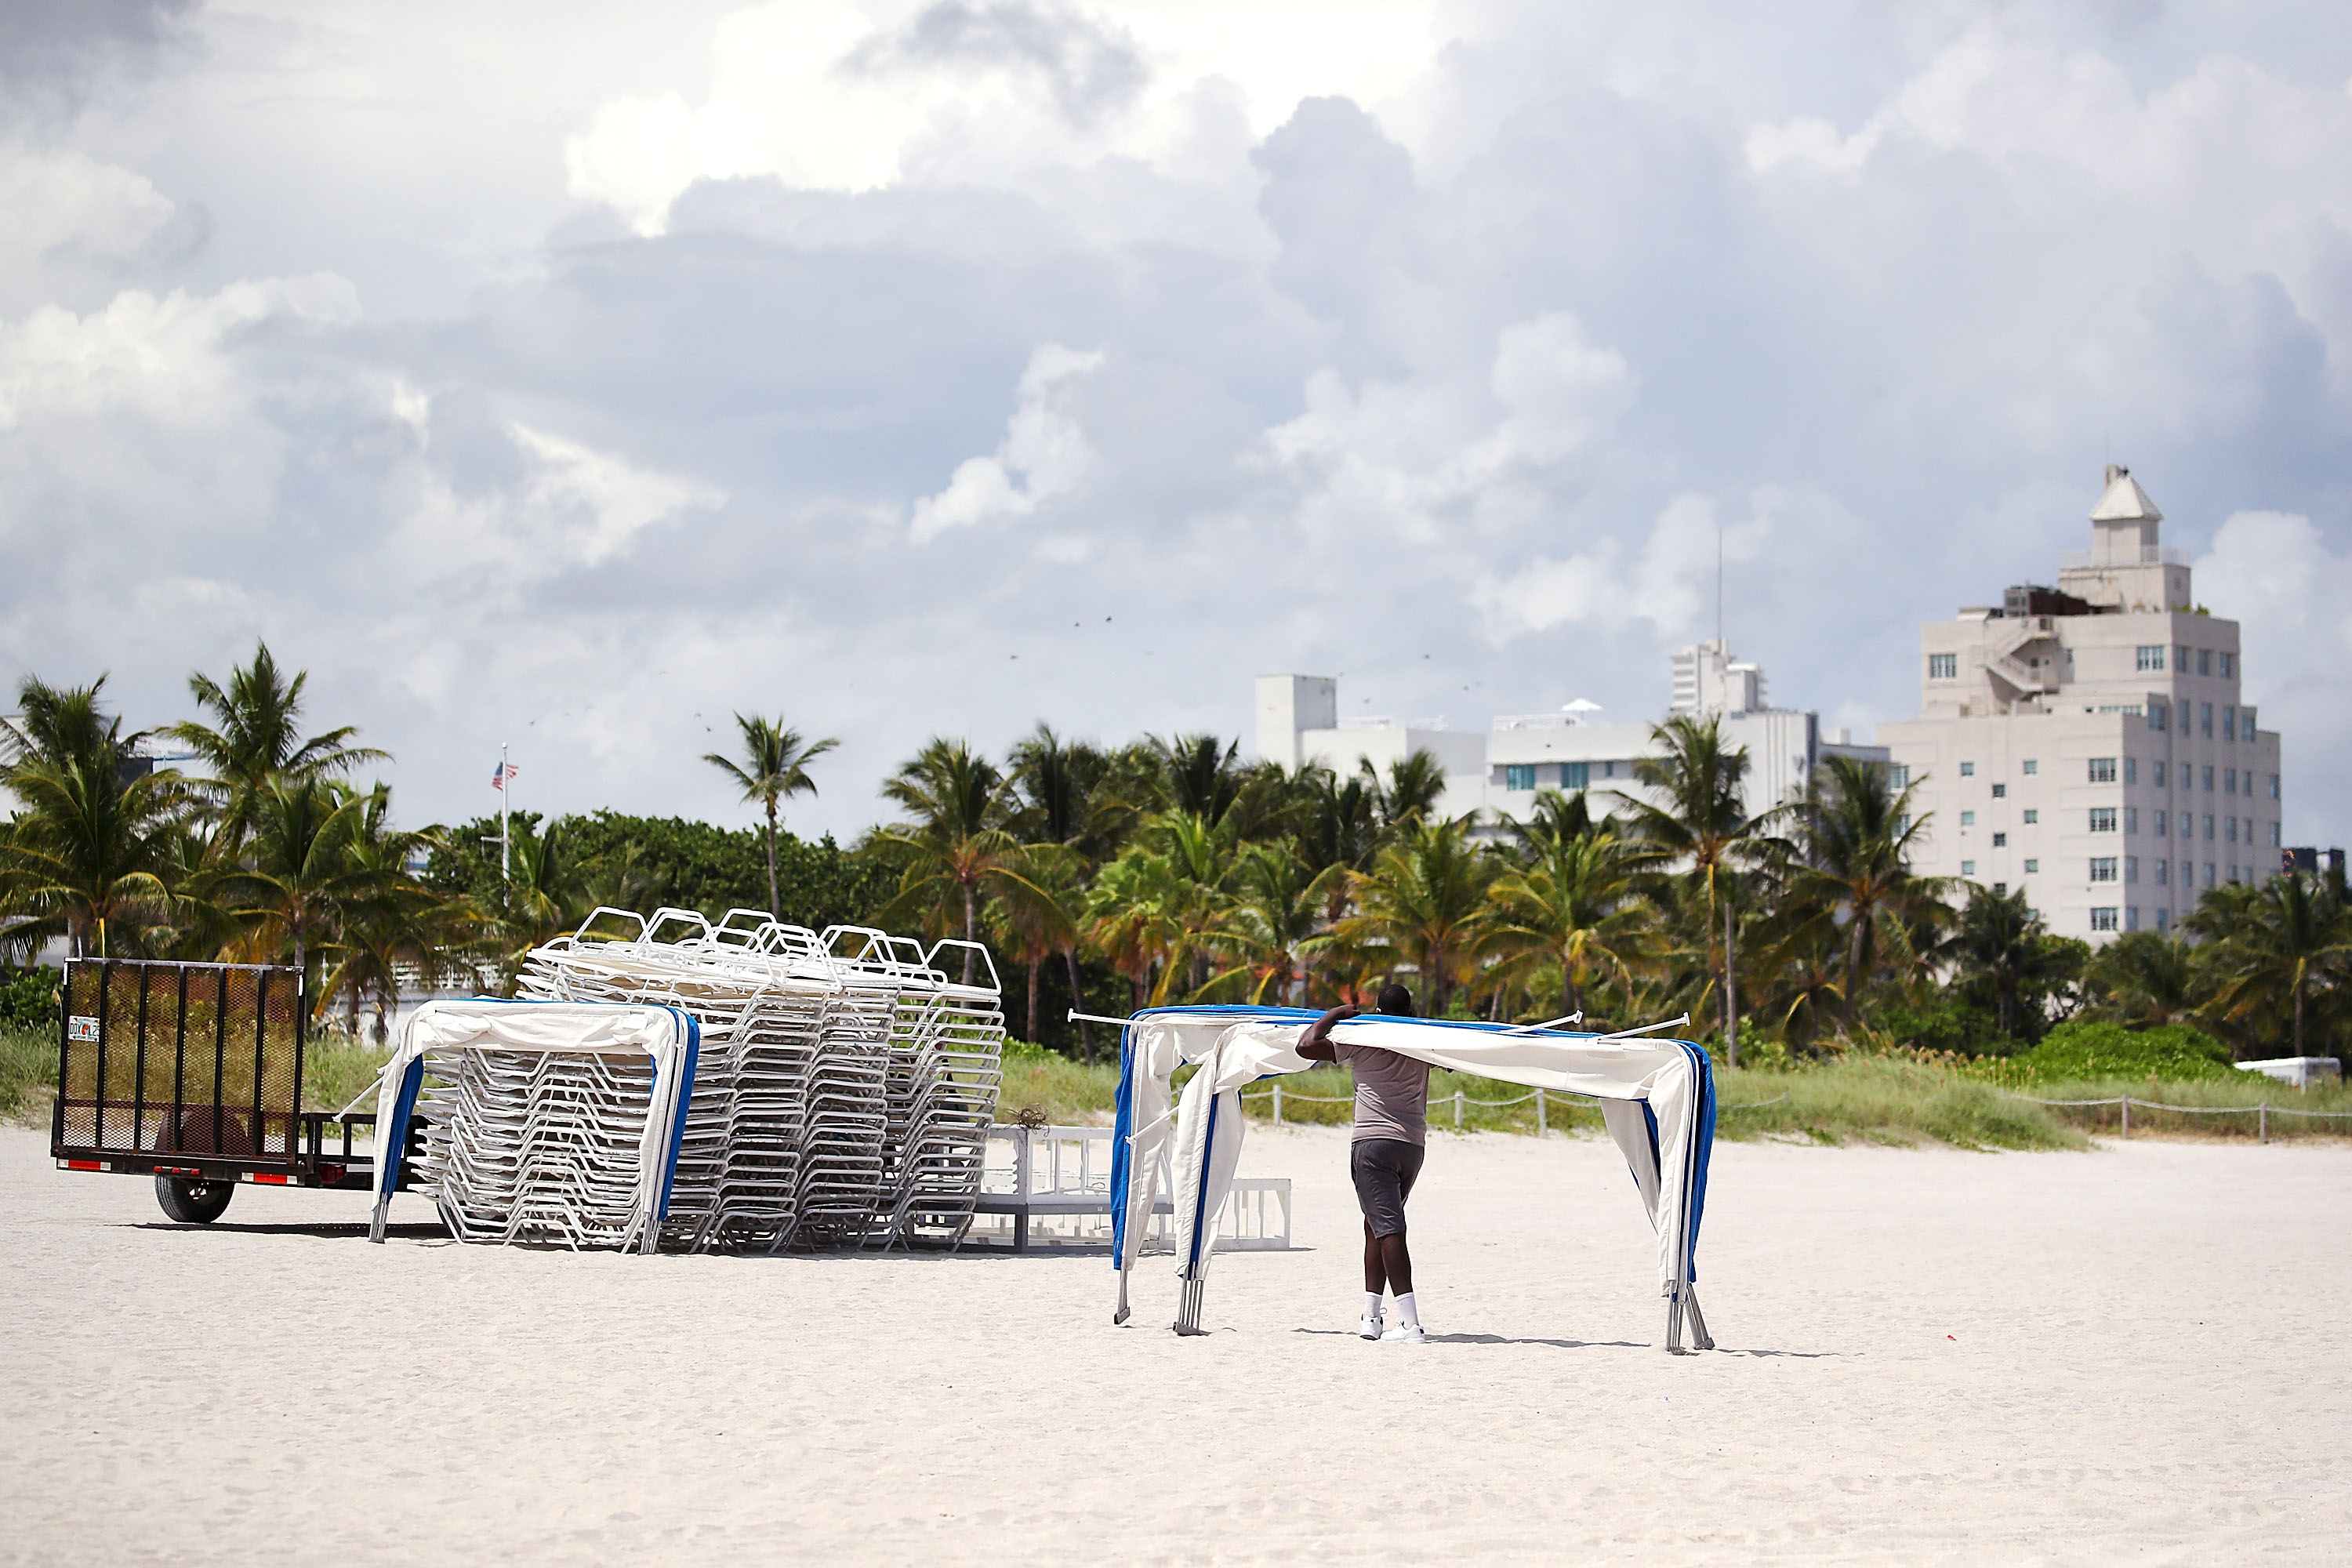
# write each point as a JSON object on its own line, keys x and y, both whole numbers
{"x": 1122, "y": 1314}
{"x": 1674, "y": 1325}
{"x": 1700, "y": 1338}
{"x": 1187, "y": 1309}
{"x": 375, "y": 1223}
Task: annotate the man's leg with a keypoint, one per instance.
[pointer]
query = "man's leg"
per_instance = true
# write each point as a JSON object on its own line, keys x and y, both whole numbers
{"x": 1395, "y": 1265}
{"x": 1376, "y": 1271}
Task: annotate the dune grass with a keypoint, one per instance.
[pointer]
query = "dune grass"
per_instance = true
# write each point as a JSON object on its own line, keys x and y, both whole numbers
{"x": 335, "y": 1067}
{"x": 28, "y": 1074}
{"x": 2290, "y": 1108}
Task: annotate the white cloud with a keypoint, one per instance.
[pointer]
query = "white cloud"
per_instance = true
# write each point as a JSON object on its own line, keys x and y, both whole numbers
{"x": 1668, "y": 582}
{"x": 1043, "y": 454}
{"x": 66, "y": 200}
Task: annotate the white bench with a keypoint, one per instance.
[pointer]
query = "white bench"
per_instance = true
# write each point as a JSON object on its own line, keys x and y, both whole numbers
{"x": 1063, "y": 1174}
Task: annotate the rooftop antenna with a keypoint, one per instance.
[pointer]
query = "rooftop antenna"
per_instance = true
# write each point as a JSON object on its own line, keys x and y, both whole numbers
{"x": 1718, "y": 584}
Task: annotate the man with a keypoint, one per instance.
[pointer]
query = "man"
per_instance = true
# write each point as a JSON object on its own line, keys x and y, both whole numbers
{"x": 1384, "y": 1157}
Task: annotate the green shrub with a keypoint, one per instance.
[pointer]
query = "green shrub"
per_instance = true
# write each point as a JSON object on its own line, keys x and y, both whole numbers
{"x": 28, "y": 999}
{"x": 2076, "y": 1049}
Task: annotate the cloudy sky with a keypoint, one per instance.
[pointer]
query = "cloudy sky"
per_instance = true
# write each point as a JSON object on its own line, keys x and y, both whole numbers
{"x": 574, "y": 374}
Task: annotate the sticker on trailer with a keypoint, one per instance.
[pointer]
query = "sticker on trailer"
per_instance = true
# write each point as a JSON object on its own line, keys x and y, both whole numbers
{"x": 82, "y": 1029}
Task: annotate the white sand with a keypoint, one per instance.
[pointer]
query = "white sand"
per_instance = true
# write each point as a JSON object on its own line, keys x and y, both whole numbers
{"x": 1927, "y": 1356}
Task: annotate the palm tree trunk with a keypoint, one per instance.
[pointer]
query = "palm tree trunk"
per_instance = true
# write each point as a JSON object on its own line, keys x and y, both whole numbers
{"x": 775, "y": 905}
{"x": 970, "y": 924}
{"x": 1730, "y": 991}
{"x": 1086, "y": 1040}
{"x": 1033, "y": 964}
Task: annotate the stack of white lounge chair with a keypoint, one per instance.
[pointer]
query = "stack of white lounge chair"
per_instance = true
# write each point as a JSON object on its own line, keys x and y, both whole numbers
{"x": 844, "y": 1091}
{"x": 533, "y": 1147}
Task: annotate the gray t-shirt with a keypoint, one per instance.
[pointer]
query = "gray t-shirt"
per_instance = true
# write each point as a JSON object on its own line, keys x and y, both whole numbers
{"x": 1392, "y": 1093}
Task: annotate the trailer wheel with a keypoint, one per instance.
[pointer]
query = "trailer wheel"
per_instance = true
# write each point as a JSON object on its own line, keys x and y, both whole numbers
{"x": 194, "y": 1203}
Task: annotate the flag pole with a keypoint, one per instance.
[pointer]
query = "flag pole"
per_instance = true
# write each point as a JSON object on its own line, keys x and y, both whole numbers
{"x": 506, "y": 793}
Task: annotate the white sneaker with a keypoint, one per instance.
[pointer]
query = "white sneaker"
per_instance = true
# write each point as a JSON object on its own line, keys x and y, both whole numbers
{"x": 1369, "y": 1327}
{"x": 1405, "y": 1334}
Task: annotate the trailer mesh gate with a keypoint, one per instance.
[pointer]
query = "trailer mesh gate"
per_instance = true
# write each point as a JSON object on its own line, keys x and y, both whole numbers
{"x": 196, "y": 1058}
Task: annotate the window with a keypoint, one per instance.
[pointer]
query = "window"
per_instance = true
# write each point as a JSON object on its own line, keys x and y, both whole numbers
{"x": 2131, "y": 769}
{"x": 2228, "y": 722}
{"x": 1609, "y": 770}
{"x": 1575, "y": 775}
{"x": 2131, "y": 819}
{"x": 2205, "y": 718}
{"x": 2000, "y": 791}
{"x": 1902, "y": 824}
{"x": 2151, "y": 655}
{"x": 1968, "y": 819}
{"x": 2274, "y": 786}
{"x": 2160, "y": 713}
{"x": 2131, "y": 867}
{"x": 2188, "y": 825}
{"x": 2163, "y": 873}
{"x": 2103, "y": 769}
{"x": 2209, "y": 873}
{"x": 2103, "y": 869}
{"x": 1519, "y": 775}
{"x": 1968, "y": 770}
{"x": 2229, "y": 663}
{"x": 2229, "y": 781}
{"x": 2103, "y": 819}
{"x": 1999, "y": 889}
{"x": 2001, "y": 840}
{"x": 2103, "y": 919}
{"x": 2163, "y": 821}
{"x": 2031, "y": 817}
{"x": 2188, "y": 873}
{"x": 2031, "y": 767}
{"x": 2180, "y": 658}
{"x": 2032, "y": 867}
{"x": 2131, "y": 917}
{"x": 2208, "y": 825}
{"x": 1943, "y": 667}
{"x": 2204, "y": 661}
{"x": 2274, "y": 835}
{"x": 2208, "y": 781}
{"x": 2230, "y": 826}
{"x": 1967, "y": 868}
{"x": 2246, "y": 725}
{"x": 1898, "y": 775}
{"x": 2159, "y": 776}
{"x": 2163, "y": 919}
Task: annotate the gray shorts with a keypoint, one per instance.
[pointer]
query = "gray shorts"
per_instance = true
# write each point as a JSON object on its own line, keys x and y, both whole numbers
{"x": 1384, "y": 1169}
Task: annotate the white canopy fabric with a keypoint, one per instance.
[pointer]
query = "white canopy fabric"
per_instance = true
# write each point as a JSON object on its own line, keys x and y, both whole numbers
{"x": 1657, "y": 1098}
{"x": 671, "y": 1037}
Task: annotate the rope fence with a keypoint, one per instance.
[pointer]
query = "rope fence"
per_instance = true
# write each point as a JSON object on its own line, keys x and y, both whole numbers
{"x": 1462, "y": 1101}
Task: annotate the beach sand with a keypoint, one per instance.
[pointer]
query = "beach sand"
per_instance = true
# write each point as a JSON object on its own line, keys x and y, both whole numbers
{"x": 1926, "y": 1356}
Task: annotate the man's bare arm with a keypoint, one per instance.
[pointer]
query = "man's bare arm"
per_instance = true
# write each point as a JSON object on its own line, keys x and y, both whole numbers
{"x": 1313, "y": 1045}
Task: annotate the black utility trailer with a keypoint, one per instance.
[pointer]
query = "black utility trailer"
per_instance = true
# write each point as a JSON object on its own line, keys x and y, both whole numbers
{"x": 192, "y": 1073}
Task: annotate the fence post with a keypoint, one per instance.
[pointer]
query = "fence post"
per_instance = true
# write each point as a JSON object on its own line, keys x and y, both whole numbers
{"x": 1540, "y": 1128}
{"x": 2128, "y": 1116}
{"x": 2263, "y": 1122}
{"x": 1457, "y": 1110}
{"x": 1277, "y": 1102}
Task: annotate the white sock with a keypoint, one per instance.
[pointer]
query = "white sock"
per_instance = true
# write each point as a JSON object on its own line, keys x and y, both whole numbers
{"x": 1408, "y": 1310}
{"x": 1372, "y": 1304}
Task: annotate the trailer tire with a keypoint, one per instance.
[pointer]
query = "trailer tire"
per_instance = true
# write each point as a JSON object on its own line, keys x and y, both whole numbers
{"x": 194, "y": 1203}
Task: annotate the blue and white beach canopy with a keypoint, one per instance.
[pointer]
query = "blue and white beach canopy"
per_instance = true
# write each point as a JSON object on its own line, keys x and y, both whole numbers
{"x": 670, "y": 1037}
{"x": 1657, "y": 1098}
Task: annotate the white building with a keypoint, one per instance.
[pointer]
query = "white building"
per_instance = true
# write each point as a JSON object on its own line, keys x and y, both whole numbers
{"x": 2089, "y": 743}
{"x": 1501, "y": 772}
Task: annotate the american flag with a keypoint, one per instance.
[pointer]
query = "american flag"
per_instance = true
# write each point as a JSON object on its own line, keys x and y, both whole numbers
{"x": 500, "y": 775}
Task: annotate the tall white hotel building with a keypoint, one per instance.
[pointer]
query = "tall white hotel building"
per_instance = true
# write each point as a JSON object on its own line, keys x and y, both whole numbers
{"x": 2087, "y": 744}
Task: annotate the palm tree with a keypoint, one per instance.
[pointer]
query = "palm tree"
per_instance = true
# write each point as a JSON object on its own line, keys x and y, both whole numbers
{"x": 1412, "y": 791}
{"x": 2144, "y": 977}
{"x": 1552, "y": 817}
{"x": 258, "y": 713}
{"x": 1035, "y": 918}
{"x": 1423, "y": 899}
{"x": 957, "y": 847}
{"x": 1135, "y": 918}
{"x": 96, "y": 832}
{"x": 2274, "y": 947}
{"x": 774, "y": 767}
{"x": 2002, "y": 940}
{"x": 1276, "y": 906}
{"x": 306, "y": 867}
{"x": 1700, "y": 825}
{"x": 1574, "y": 907}
{"x": 1856, "y": 833}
